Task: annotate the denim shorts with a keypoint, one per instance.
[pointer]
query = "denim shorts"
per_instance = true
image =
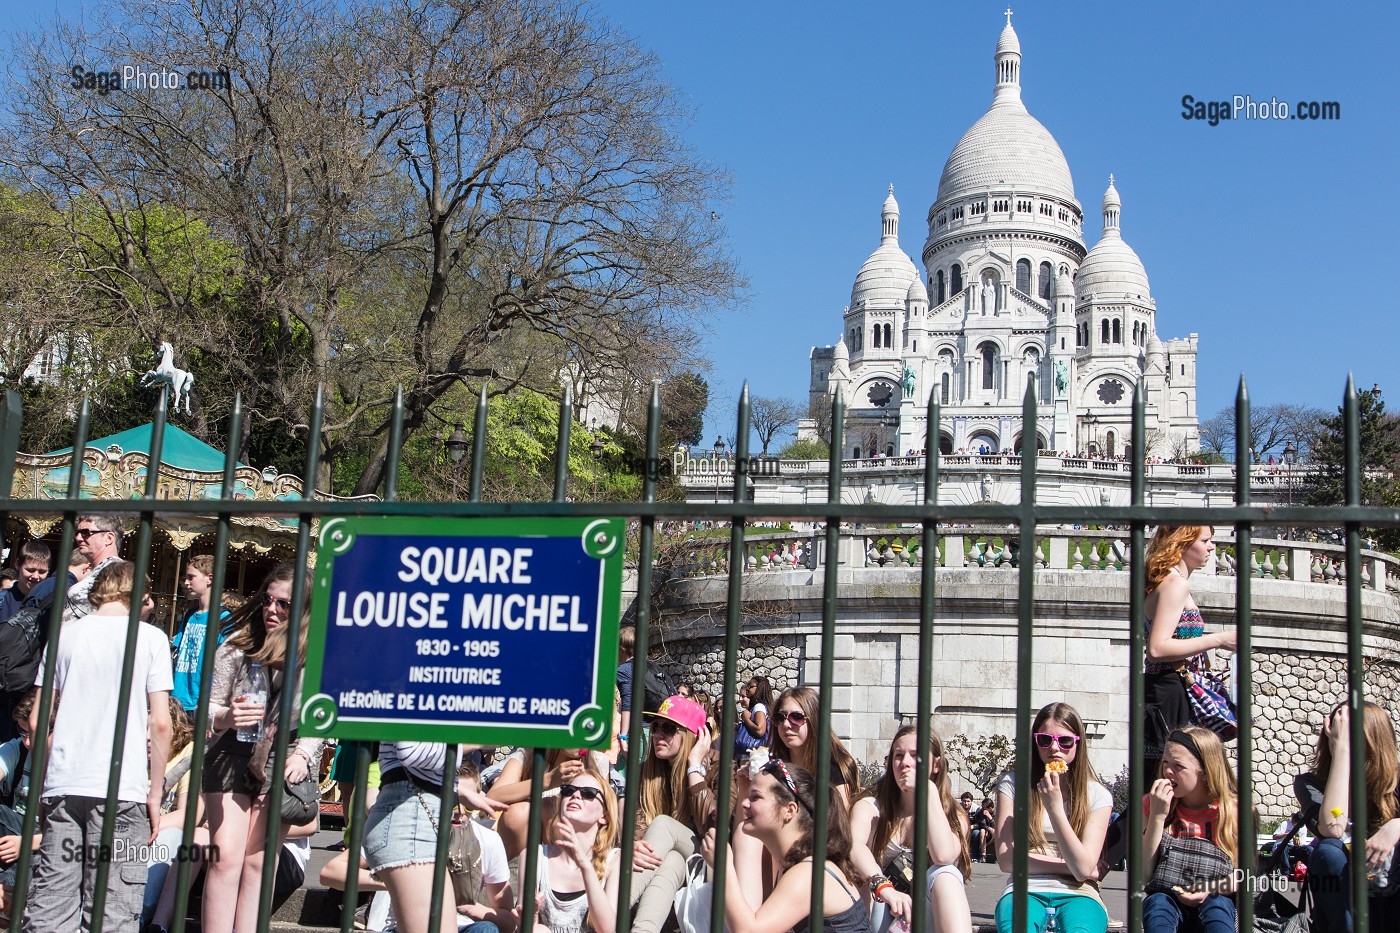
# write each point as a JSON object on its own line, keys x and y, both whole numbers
{"x": 399, "y": 831}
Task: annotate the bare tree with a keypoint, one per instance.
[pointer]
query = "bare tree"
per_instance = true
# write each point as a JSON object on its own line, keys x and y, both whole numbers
{"x": 1271, "y": 429}
{"x": 772, "y": 416}
{"x": 437, "y": 194}
{"x": 819, "y": 410}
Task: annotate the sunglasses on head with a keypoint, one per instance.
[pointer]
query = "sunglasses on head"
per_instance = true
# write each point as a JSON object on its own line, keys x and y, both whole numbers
{"x": 587, "y": 793}
{"x": 284, "y": 604}
{"x": 796, "y": 716}
{"x": 1046, "y": 739}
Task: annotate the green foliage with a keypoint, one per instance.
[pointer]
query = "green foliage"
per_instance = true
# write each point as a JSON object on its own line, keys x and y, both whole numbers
{"x": 805, "y": 450}
{"x": 1206, "y": 456}
{"x": 1379, "y": 435}
{"x": 980, "y": 761}
{"x": 684, "y": 398}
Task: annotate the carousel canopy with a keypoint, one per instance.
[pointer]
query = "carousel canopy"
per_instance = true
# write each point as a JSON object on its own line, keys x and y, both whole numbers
{"x": 181, "y": 449}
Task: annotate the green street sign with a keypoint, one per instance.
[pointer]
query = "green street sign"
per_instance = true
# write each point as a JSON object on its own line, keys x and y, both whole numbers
{"x": 499, "y": 631}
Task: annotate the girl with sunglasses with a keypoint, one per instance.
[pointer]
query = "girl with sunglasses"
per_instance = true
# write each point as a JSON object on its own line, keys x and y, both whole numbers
{"x": 882, "y": 840}
{"x": 778, "y": 812}
{"x": 1069, "y": 812}
{"x": 674, "y": 800}
{"x": 512, "y": 787}
{"x": 1193, "y": 797}
{"x": 238, "y": 774}
{"x": 795, "y": 741}
{"x": 576, "y": 887}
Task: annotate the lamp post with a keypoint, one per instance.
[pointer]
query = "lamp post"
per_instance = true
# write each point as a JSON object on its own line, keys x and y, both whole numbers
{"x": 597, "y": 448}
{"x": 714, "y": 462}
{"x": 456, "y": 445}
{"x": 1290, "y": 454}
{"x": 1092, "y": 421}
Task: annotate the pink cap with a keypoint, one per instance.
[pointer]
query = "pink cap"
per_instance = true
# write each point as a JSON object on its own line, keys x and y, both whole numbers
{"x": 683, "y": 712}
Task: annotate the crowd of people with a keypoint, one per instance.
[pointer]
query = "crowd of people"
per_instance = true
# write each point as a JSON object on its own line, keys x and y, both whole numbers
{"x": 1190, "y": 812}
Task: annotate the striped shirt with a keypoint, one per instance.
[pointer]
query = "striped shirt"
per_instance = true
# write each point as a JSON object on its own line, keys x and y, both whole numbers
{"x": 1189, "y": 824}
{"x": 423, "y": 761}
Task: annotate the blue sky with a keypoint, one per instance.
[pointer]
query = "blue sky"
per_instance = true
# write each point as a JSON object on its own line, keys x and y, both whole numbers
{"x": 1273, "y": 241}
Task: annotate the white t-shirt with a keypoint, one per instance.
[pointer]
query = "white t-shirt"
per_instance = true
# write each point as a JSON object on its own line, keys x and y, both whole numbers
{"x": 1099, "y": 799}
{"x": 494, "y": 867}
{"x": 87, "y": 674}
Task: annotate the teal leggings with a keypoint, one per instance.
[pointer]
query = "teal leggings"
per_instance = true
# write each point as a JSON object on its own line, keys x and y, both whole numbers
{"x": 1074, "y": 913}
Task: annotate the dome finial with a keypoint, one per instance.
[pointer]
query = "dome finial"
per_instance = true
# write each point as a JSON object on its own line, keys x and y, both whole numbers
{"x": 1111, "y": 207}
{"x": 889, "y": 219}
{"x": 1008, "y": 59}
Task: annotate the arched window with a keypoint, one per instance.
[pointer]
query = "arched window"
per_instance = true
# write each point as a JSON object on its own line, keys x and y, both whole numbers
{"x": 1045, "y": 285}
{"x": 1023, "y": 275}
{"x": 946, "y": 391}
{"x": 855, "y": 453}
{"x": 938, "y": 288}
{"x": 1117, "y": 331}
{"x": 1135, "y": 327}
{"x": 957, "y": 284}
{"x": 1103, "y": 336}
{"x": 1110, "y": 443}
{"x": 989, "y": 366}
{"x": 889, "y": 340}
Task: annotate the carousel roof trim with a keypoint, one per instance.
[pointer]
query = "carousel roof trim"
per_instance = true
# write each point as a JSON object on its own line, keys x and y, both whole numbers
{"x": 181, "y": 449}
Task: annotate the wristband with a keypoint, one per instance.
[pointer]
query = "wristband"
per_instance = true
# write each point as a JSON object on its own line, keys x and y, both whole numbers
{"x": 695, "y": 769}
{"x": 882, "y": 886}
{"x": 876, "y": 880}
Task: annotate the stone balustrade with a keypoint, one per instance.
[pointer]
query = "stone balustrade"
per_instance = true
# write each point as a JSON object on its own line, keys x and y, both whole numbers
{"x": 998, "y": 548}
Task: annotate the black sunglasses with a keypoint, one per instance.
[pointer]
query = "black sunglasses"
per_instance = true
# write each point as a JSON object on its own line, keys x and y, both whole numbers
{"x": 587, "y": 793}
{"x": 797, "y": 716}
{"x": 664, "y": 728}
{"x": 88, "y": 532}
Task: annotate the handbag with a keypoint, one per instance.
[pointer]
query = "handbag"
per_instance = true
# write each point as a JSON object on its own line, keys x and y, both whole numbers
{"x": 1210, "y": 704}
{"x": 900, "y": 870}
{"x": 301, "y": 801}
{"x": 1188, "y": 864}
{"x": 463, "y": 855}
{"x": 693, "y": 901}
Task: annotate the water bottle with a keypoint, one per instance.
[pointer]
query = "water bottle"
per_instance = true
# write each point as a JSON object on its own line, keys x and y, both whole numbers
{"x": 253, "y": 687}
{"x": 1050, "y": 925}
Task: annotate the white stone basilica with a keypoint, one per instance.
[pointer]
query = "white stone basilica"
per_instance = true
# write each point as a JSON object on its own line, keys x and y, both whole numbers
{"x": 1009, "y": 295}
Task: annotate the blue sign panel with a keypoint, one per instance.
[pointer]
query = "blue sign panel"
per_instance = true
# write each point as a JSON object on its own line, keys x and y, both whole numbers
{"x": 480, "y": 630}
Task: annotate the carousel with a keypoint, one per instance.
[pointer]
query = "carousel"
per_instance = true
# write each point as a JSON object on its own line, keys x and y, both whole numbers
{"x": 114, "y": 469}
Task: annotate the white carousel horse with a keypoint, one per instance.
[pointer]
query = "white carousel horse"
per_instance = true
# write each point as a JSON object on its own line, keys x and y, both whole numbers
{"x": 166, "y": 373}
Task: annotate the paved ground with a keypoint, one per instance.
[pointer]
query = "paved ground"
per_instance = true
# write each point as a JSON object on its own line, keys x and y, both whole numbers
{"x": 982, "y": 893}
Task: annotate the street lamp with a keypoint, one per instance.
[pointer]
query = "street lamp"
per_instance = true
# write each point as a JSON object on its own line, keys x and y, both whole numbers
{"x": 597, "y": 448}
{"x": 1290, "y": 454}
{"x": 456, "y": 445}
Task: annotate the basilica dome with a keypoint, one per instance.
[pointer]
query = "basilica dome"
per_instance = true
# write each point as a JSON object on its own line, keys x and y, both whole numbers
{"x": 1111, "y": 268}
{"x": 883, "y": 279}
{"x": 1007, "y": 147}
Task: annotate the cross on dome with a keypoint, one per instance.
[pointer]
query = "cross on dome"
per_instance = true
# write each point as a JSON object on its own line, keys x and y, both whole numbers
{"x": 1008, "y": 16}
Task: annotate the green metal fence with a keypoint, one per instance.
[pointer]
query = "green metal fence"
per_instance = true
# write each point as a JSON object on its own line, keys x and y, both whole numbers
{"x": 1028, "y": 514}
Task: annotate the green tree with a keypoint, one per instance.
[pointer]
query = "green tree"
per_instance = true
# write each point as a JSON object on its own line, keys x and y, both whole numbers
{"x": 980, "y": 761}
{"x": 805, "y": 450}
{"x": 684, "y": 398}
{"x": 1379, "y": 435}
